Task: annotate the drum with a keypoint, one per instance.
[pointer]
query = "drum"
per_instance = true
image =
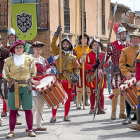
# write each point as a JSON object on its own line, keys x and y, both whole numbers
{"x": 51, "y": 91}
{"x": 129, "y": 90}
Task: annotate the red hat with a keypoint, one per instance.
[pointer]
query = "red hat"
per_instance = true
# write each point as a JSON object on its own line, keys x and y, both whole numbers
{"x": 16, "y": 43}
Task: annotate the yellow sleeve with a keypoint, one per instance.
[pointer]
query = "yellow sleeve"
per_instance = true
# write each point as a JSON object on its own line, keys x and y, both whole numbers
{"x": 75, "y": 66}
{"x": 6, "y": 71}
{"x": 122, "y": 64}
{"x": 55, "y": 49}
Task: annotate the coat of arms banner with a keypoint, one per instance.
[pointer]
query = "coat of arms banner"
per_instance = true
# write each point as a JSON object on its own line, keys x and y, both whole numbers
{"x": 24, "y": 20}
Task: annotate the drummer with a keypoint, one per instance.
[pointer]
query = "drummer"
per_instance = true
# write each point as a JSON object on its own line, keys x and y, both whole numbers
{"x": 18, "y": 70}
{"x": 127, "y": 66}
{"x": 43, "y": 68}
{"x": 69, "y": 65}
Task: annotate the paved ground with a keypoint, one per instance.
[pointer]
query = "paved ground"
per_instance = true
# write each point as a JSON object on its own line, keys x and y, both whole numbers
{"x": 81, "y": 127}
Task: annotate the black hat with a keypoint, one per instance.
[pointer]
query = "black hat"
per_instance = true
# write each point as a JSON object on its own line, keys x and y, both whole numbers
{"x": 95, "y": 40}
{"x": 80, "y": 37}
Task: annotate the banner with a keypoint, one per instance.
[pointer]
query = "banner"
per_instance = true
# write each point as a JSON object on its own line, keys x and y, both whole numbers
{"x": 24, "y": 20}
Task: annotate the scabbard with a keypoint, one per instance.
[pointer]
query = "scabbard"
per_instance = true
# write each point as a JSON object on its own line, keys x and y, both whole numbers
{"x": 16, "y": 95}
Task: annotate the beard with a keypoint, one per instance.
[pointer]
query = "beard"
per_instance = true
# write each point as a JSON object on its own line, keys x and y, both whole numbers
{"x": 123, "y": 39}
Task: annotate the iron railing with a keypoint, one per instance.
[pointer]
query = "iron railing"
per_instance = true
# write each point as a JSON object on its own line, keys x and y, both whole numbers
{"x": 103, "y": 24}
{"x": 66, "y": 19}
{"x": 84, "y": 22}
{"x": 43, "y": 16}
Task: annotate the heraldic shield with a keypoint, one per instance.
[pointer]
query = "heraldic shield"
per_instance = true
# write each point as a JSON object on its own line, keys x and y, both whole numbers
{"x": 24, "y": 22}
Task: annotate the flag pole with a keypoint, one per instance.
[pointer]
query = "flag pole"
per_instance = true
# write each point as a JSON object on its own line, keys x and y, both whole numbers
{"x": 60, "y": 60}
{"x": 9, "y": 14}
{"x": 83, "y": 53}
{"x": 75, "y": 21}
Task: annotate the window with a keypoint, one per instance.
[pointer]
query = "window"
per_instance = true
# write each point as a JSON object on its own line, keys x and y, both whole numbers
{"x": 23, "y": 1}
{"x": 84, "y": 16}
{"x": 66, "y": 16}
{"x": 103, "y": 17}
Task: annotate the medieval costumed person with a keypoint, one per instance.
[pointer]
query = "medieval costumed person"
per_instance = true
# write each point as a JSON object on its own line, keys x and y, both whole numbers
{"x": 43, "y": 68}
{"x": 137, "y": 125}
{"x": 81, "y": 58}
{"x": 4, "y": 53}
{"x": 18, "y": 70}
{"x": 114, "y": 52}
{"x": 127, "y": 66}
{"x": 69, "y": 67}
{"x": 12, "y": 37}
{"x": 91, "y": 64}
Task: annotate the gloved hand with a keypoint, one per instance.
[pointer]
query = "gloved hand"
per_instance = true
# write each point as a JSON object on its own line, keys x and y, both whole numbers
{"x": 59, "y": 29}
{"x": 74, "y": 79}
{"x": 95, "y": 66}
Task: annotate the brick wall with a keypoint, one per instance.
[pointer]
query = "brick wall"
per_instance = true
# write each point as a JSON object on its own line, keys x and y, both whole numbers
{"x": 43, "y": 33}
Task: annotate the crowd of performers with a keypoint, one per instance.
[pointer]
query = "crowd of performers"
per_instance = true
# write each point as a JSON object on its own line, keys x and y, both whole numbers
{"x": 21, "y": 73}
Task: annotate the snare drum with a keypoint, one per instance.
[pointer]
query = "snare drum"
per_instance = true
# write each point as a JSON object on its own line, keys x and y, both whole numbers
{"x": 129, "y": 90}
{"x": 51, "y": 91}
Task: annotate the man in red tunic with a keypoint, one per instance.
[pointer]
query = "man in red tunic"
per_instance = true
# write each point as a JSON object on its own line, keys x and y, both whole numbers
{"x": 91, "y": 64}
{"x": 114, "y": 52}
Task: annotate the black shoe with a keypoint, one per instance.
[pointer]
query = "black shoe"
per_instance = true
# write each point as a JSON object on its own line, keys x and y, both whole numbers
{"x": 134, "y": 118}
{"x": 53, "y": 120}
{"x": 87, "y": 104}
{"x": 91, "y": 111}
{"x": 67, "y": 119}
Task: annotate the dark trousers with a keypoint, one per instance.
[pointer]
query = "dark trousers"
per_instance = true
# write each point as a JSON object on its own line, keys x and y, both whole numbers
{"x": 128, "y": 109}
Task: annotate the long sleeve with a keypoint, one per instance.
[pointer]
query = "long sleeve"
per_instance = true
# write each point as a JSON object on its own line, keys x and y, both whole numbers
{"x": 75, "y": 66}
{"x": 6, "y": 72}
{"x": 55, "y": 49}
{"x": 122, "y": 64}
{"x": 109, "y": 53}
{"x": 87, "y": 64}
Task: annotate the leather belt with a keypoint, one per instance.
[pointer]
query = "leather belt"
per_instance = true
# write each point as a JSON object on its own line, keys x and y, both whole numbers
{"x": 21, "y": 81}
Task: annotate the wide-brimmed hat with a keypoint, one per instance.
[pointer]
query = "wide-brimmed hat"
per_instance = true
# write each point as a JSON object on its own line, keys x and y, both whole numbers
{"x": 37, "y": 44}
{"x": 134, "y": 34}
{"x": 95, "y": 40}
{"x": 16, "y": 43}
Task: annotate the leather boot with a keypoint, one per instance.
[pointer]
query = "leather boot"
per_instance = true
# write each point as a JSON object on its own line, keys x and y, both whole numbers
{"x": 114, "y": 107}
{"x": 122, "y": 107}
{"x": 79, "y": 97}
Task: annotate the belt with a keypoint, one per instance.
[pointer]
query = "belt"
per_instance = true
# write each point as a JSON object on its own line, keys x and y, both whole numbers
{"x": 21, "y": 81}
